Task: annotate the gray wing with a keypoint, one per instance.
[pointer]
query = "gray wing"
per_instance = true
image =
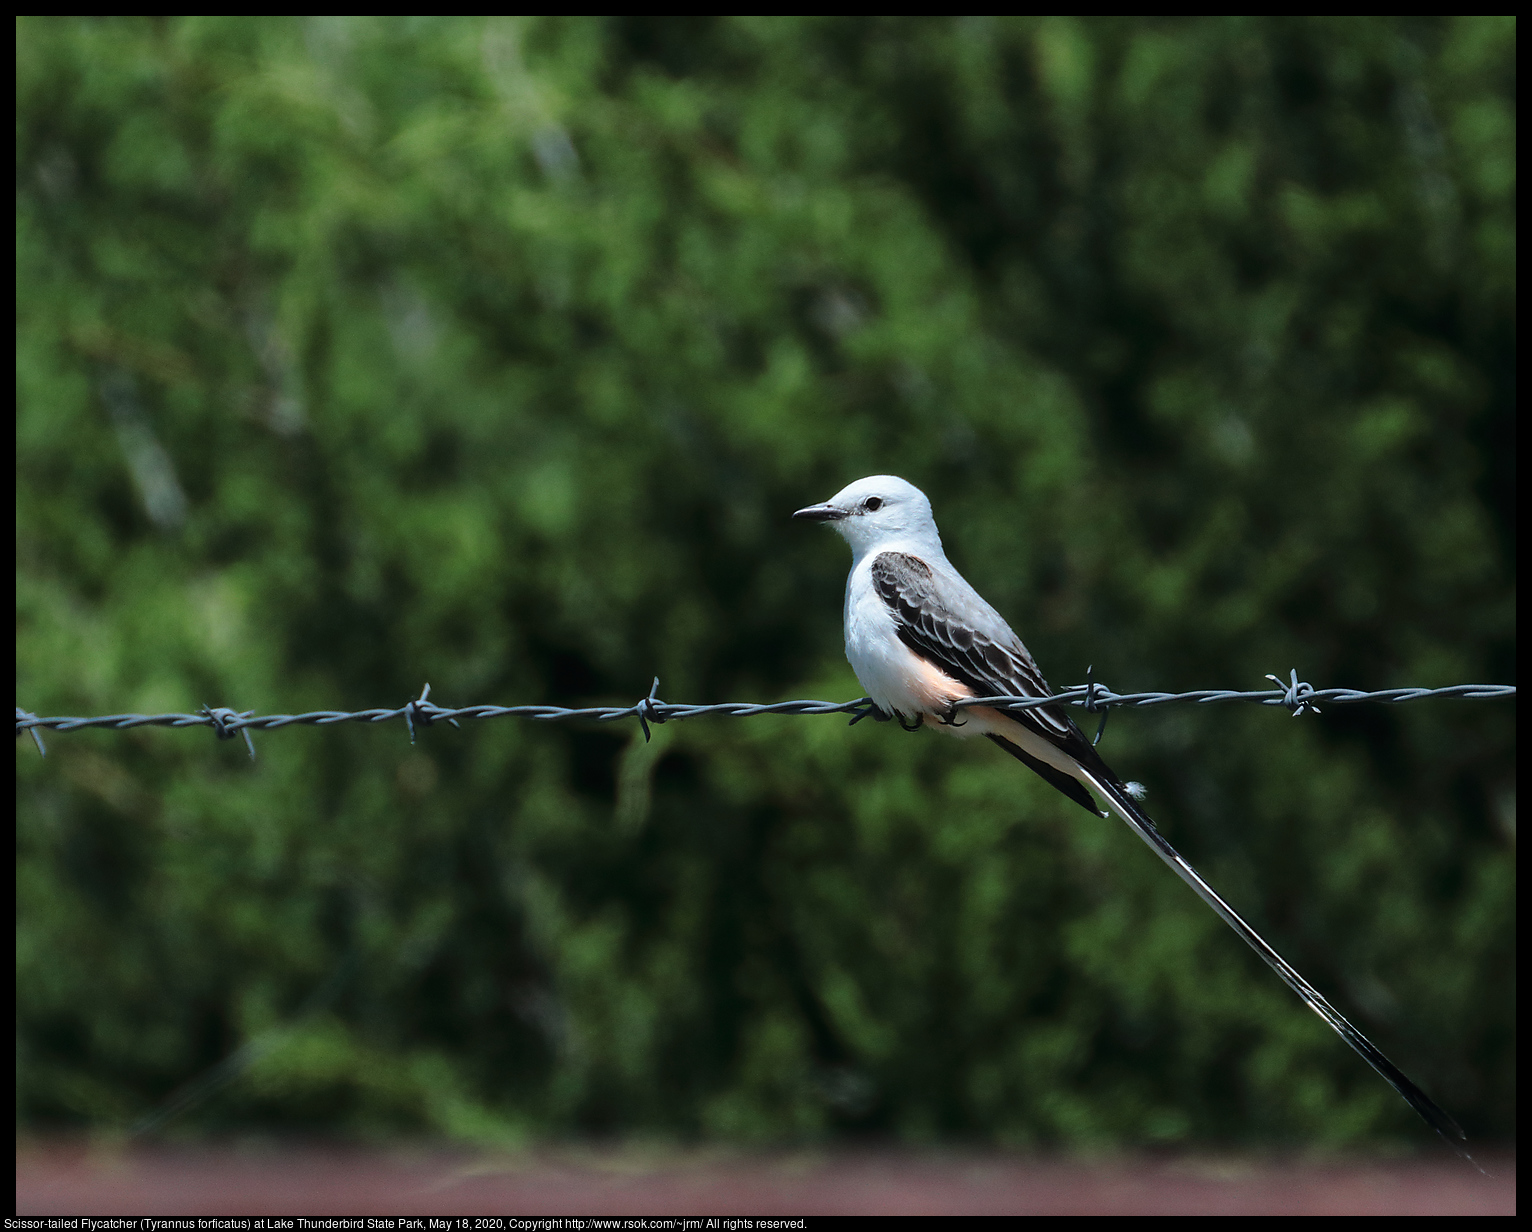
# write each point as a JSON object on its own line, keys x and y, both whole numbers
{"x": 991, "y": 662}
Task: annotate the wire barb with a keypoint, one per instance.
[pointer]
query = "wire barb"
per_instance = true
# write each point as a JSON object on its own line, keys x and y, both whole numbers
{"x": 1295, "y": 695}
{"x": 425, "y": 710}
{"x": 650, "y": 709}
{"x": 1091, "y": 704}
{"x": 32, "y": 728}
{"x": 223, "y": 721}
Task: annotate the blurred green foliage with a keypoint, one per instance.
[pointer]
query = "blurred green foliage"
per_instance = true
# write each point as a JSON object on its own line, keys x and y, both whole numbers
{"x": 356, "y": 353}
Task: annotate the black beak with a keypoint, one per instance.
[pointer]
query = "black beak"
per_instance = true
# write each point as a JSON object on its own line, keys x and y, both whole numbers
{"x": 821, "y": 513}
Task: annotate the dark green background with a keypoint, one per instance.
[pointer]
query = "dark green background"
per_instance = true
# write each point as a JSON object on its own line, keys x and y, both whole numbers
{"x": 354, "y": 354}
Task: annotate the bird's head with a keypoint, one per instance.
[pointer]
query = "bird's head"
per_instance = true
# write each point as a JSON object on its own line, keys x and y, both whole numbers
{"x": 877, "y": 512}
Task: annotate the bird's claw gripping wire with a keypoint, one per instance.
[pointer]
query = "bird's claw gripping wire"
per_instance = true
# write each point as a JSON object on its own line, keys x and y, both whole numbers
{"x": 648, "y": 709}
{"x": 426, "y": 711}
{"x": 221, "y": 717}
{"x": 1295, "y": 694}
{"x": 868, "y": 709}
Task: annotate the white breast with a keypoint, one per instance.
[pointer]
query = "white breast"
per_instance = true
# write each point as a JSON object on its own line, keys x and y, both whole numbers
{"x": 895, "y": 677}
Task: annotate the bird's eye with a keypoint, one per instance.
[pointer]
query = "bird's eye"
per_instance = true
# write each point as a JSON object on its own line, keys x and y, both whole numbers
{"x": 872, "y": 504}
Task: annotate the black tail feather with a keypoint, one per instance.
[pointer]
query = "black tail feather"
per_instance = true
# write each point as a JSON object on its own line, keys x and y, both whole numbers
{"x": 1109, "y": 786}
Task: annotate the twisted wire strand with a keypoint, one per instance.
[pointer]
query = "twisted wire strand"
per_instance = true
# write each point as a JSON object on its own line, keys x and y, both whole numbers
{"x": 1295, "y": 696}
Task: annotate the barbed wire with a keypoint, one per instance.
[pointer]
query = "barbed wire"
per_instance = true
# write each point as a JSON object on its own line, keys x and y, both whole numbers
{"x": 1296, "y": 696}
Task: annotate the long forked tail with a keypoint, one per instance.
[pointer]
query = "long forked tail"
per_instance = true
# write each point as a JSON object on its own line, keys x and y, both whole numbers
{"x": 1117, "y": 795}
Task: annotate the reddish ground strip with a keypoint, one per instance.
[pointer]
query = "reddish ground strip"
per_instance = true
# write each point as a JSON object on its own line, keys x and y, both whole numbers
{"x": 79, "y": 1180}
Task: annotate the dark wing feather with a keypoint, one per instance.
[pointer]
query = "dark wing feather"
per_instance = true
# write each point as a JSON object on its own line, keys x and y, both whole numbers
{"x": 1055, "y": 778}
{"x": 992, "y": 666}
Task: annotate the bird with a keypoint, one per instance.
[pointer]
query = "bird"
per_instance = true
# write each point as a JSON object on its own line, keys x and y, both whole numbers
{"x": 922, "y": 641}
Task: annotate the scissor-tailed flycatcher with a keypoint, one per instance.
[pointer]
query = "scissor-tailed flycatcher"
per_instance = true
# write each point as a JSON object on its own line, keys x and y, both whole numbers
{"x": 921, "y": 639}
